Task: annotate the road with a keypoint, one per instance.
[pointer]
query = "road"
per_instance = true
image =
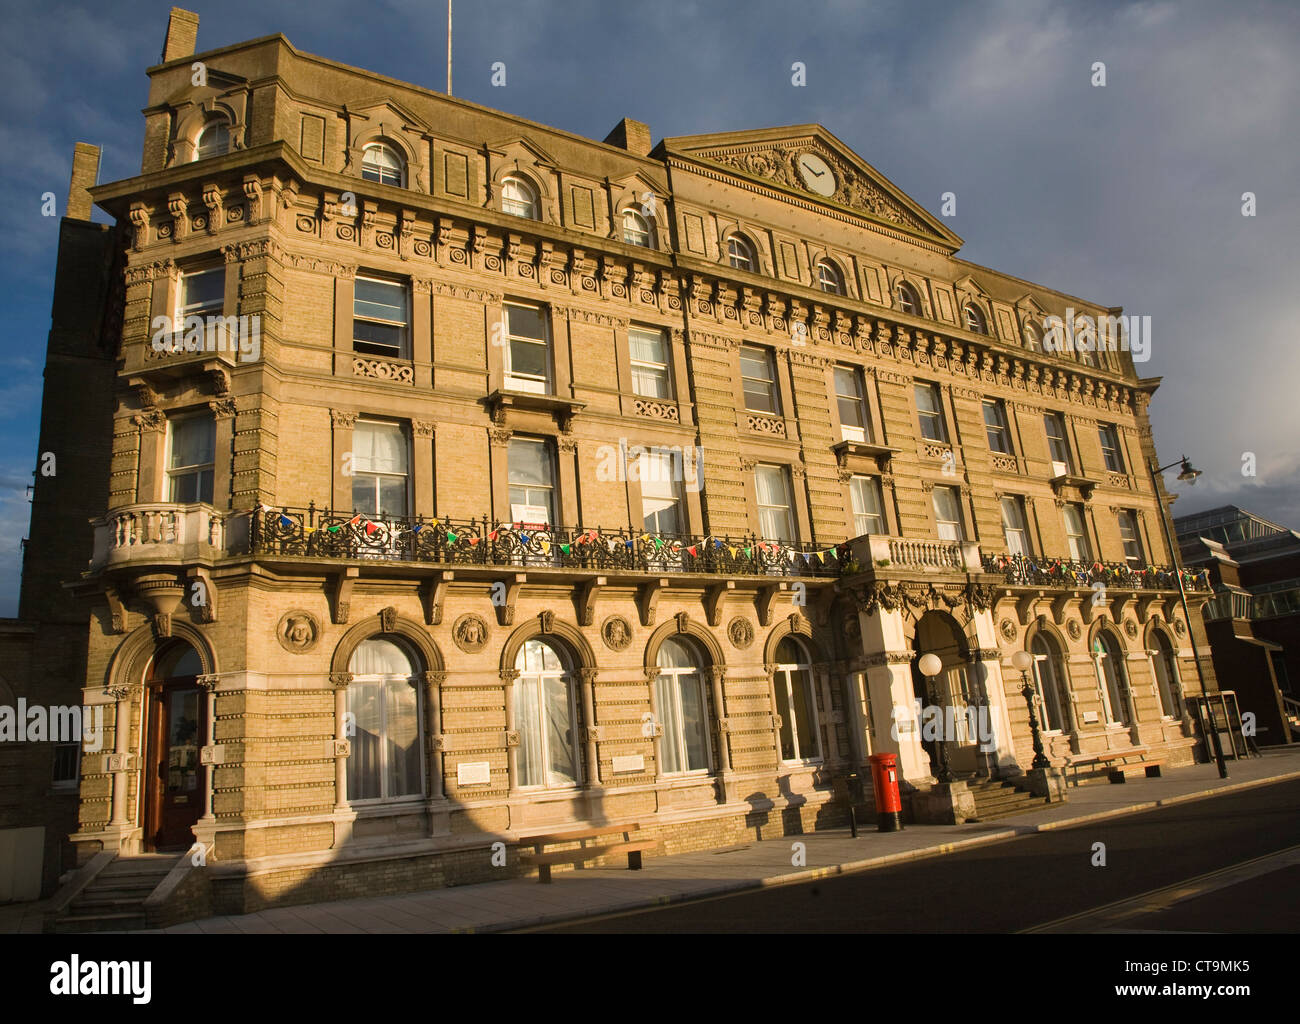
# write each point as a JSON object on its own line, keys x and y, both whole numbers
{"x": 1046, "y": 881}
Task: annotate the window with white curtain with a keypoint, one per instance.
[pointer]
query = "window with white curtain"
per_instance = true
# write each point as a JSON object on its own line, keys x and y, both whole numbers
{"x": 1166, "y": 666}
{"x": 796, "y": 703}
{"x": 518, "y": 198}
{"x": 1132, "y": 540}
{"x": 1014, "y": 527}
{"x": 648, "y": 348}
{"x": 1076, "y": 536}
{"x": 682, "y": 704}
{"x": 191, "y": 456}
{"x": 855, "y": 423}
{"x": 995, "y": 426}
{"x": 1057, "y": 444}
{"x": 929, "y": 411}
{"x": 775, "y": 520}
{"x": 545, "y": 717}
{"x": 528, "y": 353}
{"x": 868, "y": 505}
{"x": 386, "y": 761}
{"x": 380, "y": 469}
{"x": 660, "y": 492}
{"x": 636, "y": 229}
{"x": 947, "y": 513}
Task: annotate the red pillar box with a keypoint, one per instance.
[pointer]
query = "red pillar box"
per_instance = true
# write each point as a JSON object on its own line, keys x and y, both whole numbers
{"x": 884, "y": 783}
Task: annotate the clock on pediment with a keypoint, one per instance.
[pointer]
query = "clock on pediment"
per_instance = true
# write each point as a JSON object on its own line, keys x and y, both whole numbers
{"x": 816, "y": 174}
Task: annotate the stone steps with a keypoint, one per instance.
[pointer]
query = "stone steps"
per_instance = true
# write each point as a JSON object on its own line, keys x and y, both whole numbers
{"x": 114, "y": 901}
{"x": 1001, "y": 799}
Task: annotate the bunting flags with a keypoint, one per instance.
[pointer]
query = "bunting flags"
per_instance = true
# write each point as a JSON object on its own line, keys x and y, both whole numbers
{"x": 565, "y": 549}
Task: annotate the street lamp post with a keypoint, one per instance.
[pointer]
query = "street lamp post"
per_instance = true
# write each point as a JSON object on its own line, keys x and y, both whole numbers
{"x": 1023, "y": 662}
{"x": 930, "y": 666}
{"x": 1188, "y": 474}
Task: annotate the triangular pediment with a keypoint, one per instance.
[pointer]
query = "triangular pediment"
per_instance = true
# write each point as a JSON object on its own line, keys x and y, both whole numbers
{"x": 385, "y": 111}
{"x": 771, "y": 155}
{"x": 514, "y": 143}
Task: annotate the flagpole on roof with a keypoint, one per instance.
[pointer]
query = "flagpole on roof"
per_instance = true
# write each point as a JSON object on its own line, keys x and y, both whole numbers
{"x": 448, "y": 47}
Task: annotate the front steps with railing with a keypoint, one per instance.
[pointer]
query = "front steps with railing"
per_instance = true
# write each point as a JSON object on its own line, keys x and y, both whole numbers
{"x": 114, "y": 901}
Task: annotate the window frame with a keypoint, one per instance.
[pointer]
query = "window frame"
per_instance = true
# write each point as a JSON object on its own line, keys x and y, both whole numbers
{"x": 957, "y": 507}
{"x": 783, "y": 684}
{"x": 1134, "y": 549}
{"x": 750, "y": 256}
{"x": 646, "y": 229}
{"x": 673, "y": 717}
{"x": 644, "y": 457}
{"x": 1112, "y": 455}
{"x": 1051, "y": 657}
{"x": 906, "y": 295}
{"x": 398, "y": 169}
{"x": 404, "y": 326}
{"x": 528, "y": 383}
{"x": 218, "y": 122}
{"x": 836, "y": 277}
{"x": 788, "y": 508}
{"x": 974, "y": 319}
{"x": 567, "y": 674}
{"x": 172, "y": 473}
{"x": 873, "y": 486}
{"x": 515, "y": 207}
{"x": 926, "y": 415}
{"x": 643, "y": 366}
{"x": 550, "y": 488}
{"x": 378, "y": 477}
{"x": 1084, "y": 544}
{"x": 858, "y": 399}
{"x": 1017, "y": 503}
{"x": 381, "y": 682}
{"x": 1003, "y": 426}
{"x": 1051, "y": 419}
{"x": 772, "y": 383}
{"x": 1112, "y": 679}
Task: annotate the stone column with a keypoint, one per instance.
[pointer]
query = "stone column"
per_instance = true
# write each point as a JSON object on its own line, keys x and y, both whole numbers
{"x": 342, "y": 748}
{"x": 590, "y": 732}
{"x": 995, "y": 692}
{"x": 823, "y": 677}
{"x": 433, "y": 726}
{"x": 508, "y": 677}
{"x": 119, "y": 762}
{"x": 893, "y": 701}
{"x": 209, "y": 686}
{"x": 770, "y": 669}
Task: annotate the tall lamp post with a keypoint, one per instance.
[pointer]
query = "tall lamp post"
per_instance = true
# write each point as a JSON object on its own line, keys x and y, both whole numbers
{"x": 1188, "y": 475}
{"x": 1023, "y": 661}
{"x": 931, "y": 665}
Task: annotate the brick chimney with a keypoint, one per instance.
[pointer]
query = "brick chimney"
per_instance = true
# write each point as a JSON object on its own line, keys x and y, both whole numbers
{"x": 634, "y": 136}
{"x": 85, "y": 172}
{"x": 182, "y": 34}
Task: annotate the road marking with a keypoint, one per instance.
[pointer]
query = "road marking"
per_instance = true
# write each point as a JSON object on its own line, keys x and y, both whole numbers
{"x": 1112, "y": 915}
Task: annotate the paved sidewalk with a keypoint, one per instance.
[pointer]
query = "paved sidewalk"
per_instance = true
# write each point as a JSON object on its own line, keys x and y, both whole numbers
{"x": 521, "y": 902}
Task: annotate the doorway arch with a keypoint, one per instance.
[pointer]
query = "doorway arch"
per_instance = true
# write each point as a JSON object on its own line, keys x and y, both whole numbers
{"x": 938, "y": 633}
{"x": 175, "y": 723}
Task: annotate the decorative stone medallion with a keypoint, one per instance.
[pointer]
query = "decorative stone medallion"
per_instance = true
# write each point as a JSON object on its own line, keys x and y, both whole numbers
{"x": 1074, "y": 629}
{"x": 1131, "y": 629}
{"x": 1008, "y": 630}
{"x": 740, "y": 631}
{"x": 616, "y": 632}
{"x": 298, "y": 631}
{"x": 470, "y": 633}
{"x": 1179, "y": 628}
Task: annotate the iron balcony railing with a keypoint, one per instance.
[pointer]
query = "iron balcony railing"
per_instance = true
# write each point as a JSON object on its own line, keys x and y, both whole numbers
{"x": 327, "y": 533}
{"x": 1058, "y": 572}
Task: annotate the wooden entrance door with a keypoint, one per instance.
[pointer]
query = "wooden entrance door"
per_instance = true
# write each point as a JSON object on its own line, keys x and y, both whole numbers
{"x": 174, "y": 779}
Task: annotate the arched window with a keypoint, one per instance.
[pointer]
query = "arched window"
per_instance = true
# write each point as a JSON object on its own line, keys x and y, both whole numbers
{"x": 636, "y": 230}
{"x": 740, "y": 253}
{"x": 1050, "y": 679}
{"x": 1085, "y": 343}
{"x": 519, "y": 198}
{"x": 908, "y": 301}
{"x": 975, "y": 321}
{"x": 384, "y": 706}
{"x": 682, "y": 705}
{"x": 1033, "y": 339}
{"x": 1112, "y": 679}
{"x": 545, "y": 716}
{"x": 214, "y": 140}
{"x": 1167, "y": 681}
{"x": 796, "y": 703}
{"x": 382, "y": 162}
{"x": 830, "y": 278}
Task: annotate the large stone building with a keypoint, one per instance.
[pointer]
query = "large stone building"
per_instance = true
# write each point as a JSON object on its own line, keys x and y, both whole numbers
{"x": 561, "y": 481}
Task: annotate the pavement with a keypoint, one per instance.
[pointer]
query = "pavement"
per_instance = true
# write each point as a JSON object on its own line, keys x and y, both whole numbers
{"x": 518, "y": 903}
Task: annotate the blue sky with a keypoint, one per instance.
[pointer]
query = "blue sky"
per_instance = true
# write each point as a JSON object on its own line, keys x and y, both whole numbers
{"x": 1129, "y": 195}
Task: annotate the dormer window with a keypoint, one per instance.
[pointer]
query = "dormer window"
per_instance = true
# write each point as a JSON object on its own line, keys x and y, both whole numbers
{"x": 214, "y": 140}
{"x": 975, "y": 322}
{"x": 381, "y": 162}
{"x": 740, "y": 253}
{"x": 1033, "y": 340}
{"x": 518, "y": 198}
{"x": 830, "y": 278}
{"x": 636, "y": 230}
{"x": 908, "y": 301}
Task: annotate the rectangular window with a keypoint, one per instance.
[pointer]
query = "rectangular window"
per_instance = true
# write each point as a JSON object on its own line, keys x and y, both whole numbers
{"x": 380, "y": 469}
{"x": 995, "y": 425}
{"x": 1128, "y": 532}
{"x": 930, "y": 411}
{"x": 1014, "y": 526}
{"x": 855, "y": 421}
{"x": 532, "y": 482}
{"x": 381, "y": 318}
{"x": 191, "y": 453}
{"x": 1110, "y": 448}
{"x": 1075, "y": 534}
{"x": 660, "y": 493}
{"x": 202, "y": 293}
{"x": 947, "y": 514}
{"x": 528, "y": 352}
{"x": 1058, "y": 446}
{"x": 868, "y": 506}
{"x": 774, "y": 516}
{"x": 67, "y": 760}
{"x": 649, "y": 351}
{"x": 758, "y": 376}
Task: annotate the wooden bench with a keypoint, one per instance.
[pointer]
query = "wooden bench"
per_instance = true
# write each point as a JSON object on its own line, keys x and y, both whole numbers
{"x": 544, "y": 861}
{"x": 1103, "y": 760}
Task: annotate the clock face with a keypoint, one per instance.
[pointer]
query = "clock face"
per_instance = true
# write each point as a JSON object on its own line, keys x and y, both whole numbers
{"x": 816, "y": 174}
